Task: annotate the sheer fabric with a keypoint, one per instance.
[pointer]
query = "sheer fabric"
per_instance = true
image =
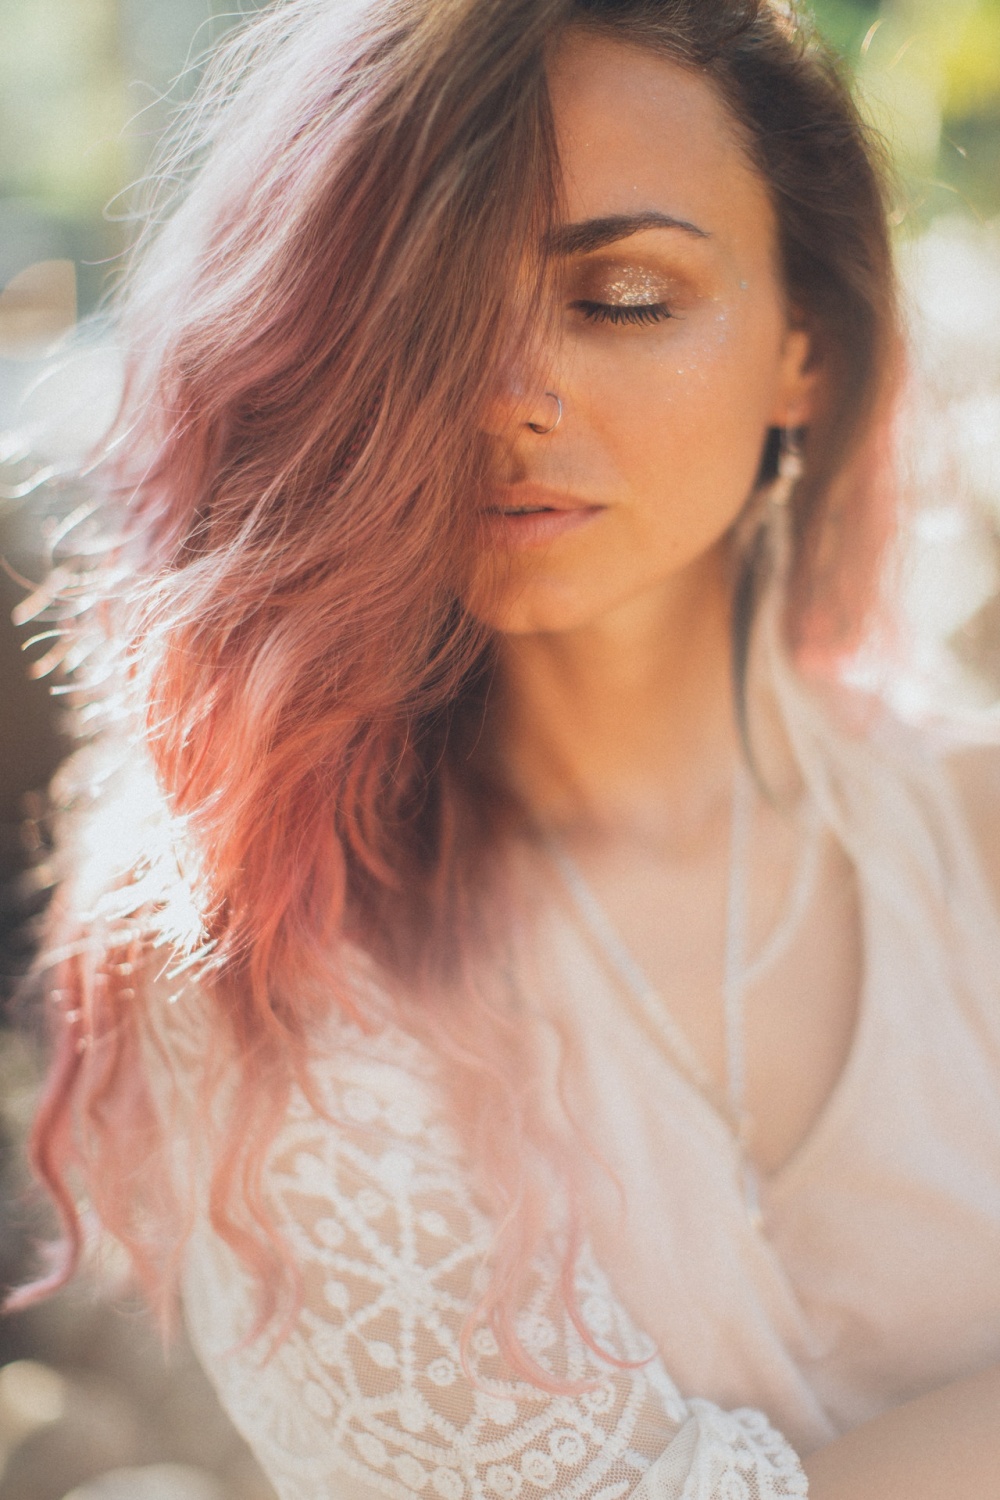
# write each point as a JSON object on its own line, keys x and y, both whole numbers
{"x": 868, "y": 1268}
{"x": 820, "y": 1319}
{"x": 368, "y": 1396}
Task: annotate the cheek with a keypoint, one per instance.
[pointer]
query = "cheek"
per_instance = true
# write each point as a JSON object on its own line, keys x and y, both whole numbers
{"x": 683, "y": 426}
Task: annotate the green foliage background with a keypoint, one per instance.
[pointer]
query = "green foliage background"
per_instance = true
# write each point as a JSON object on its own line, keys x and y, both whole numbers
{"x": 81, "y": 85}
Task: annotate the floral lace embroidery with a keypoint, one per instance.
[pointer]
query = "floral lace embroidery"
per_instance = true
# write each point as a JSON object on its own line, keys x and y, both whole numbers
{"x": 368, "y": 1396}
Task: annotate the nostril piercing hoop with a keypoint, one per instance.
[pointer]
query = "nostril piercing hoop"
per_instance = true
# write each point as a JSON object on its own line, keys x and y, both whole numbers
{"x": 544, "y": 431}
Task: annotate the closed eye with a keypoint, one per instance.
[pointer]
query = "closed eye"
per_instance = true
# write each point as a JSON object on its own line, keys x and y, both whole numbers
{"x": 623, "y": 312}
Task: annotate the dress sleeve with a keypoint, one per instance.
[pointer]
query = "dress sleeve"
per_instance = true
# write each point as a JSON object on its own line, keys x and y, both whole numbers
{"x": 367, "y": 1395}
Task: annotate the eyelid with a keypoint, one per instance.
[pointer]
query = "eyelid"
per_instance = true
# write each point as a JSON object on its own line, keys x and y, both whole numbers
{"x": 621, "y": 283}
{"x": 640, "y": 314}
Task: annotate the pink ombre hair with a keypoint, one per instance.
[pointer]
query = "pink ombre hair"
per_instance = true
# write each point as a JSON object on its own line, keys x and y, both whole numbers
{"x": 277, "y": 633}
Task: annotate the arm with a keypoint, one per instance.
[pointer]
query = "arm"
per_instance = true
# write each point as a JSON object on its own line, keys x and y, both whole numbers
{"x": 368, "y": 1396}
{"x": 944, "y": 1445}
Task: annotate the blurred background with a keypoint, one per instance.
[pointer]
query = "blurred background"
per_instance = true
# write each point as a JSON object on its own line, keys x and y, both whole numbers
{"x": 90, "y": 1406}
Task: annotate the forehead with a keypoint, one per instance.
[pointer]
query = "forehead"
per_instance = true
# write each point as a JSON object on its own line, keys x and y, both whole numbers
{"x": 637, "y": 132}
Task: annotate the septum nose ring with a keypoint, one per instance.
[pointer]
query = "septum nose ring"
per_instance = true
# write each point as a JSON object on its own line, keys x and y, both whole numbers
{"x": 544, "y": 431}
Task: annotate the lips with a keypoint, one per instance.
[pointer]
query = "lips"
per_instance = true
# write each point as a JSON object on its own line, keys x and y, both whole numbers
{"x": 531, "y": 499}
{"x": 532, "y": 515}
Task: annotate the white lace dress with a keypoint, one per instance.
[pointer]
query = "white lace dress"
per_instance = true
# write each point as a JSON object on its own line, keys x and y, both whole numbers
{"x": 368, "y": 1396}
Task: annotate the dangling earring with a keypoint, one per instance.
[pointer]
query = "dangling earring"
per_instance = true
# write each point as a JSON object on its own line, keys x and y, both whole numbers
{"x": 764, "y": 526}
{"x": 763, "y": 538}
{"x": 777, "y": 502}
{"x": 790, "y": 469}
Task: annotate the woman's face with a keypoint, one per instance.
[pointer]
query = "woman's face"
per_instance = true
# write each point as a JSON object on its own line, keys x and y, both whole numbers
{"x": 672, "y": 355}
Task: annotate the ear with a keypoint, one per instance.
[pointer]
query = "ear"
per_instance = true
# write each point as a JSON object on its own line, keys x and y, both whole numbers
{"x": 800, "y": 377}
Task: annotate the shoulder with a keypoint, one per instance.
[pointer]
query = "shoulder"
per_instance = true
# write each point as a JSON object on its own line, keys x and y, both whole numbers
{"x": 359, "y": 1083}
{"x": 378, "y": 1089}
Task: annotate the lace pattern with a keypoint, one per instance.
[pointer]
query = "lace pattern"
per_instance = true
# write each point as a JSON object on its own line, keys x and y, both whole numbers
{"x": 721, "y": 1455}
{"x": 368, "y": 1396}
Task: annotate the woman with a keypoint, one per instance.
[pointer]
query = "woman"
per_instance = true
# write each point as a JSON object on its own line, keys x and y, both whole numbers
{"x": 547, "y": 1026}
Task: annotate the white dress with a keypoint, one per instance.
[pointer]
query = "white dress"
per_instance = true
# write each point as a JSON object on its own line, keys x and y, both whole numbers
{"x": 875, "y": 1273}
{"x": 367, "y": 1394}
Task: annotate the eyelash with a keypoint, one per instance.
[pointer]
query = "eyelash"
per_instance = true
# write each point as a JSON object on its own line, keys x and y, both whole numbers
{"x": 642, "y": 313}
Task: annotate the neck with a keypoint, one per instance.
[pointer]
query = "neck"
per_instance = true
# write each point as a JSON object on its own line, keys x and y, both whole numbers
{"x": 626, "y": 724}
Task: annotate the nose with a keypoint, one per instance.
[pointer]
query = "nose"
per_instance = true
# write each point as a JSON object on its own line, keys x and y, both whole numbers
{"x": 542, "y": 429}
{"x": 519, "y": 413}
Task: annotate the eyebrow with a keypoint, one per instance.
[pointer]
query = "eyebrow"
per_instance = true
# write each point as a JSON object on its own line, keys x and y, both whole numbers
{"x": 594, "y": 234}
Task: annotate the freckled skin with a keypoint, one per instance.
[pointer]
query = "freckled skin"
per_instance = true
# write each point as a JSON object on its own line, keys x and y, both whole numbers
{"x": 663, "y": 423}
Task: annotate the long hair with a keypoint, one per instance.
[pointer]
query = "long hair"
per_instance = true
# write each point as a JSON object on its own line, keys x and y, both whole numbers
{"x": 347, "y": 271}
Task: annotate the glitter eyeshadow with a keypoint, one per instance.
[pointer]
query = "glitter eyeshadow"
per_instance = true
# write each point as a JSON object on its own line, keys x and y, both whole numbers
{"x": 633, "y": 288}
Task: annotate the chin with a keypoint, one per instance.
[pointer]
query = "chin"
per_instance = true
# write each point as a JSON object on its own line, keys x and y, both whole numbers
{"x": 529, "y": 604}
{"x": 532, "y": 611}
